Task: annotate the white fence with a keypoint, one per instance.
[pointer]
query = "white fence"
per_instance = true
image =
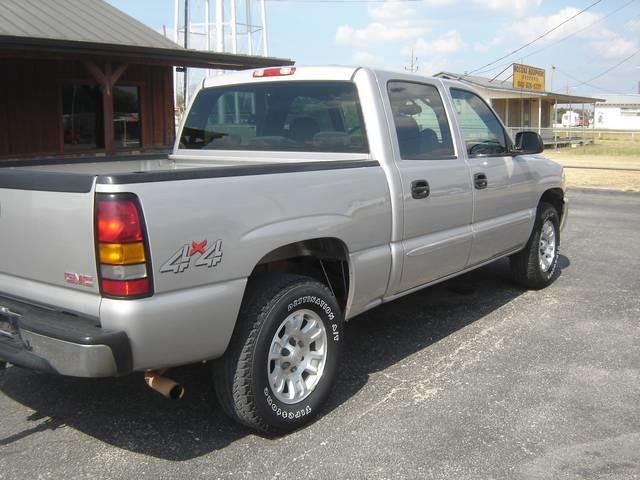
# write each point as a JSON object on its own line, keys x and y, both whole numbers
{"x": 572, "y": 136}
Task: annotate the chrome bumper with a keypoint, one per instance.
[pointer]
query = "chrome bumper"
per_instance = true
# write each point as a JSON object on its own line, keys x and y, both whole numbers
{"x": 60, "y": 343}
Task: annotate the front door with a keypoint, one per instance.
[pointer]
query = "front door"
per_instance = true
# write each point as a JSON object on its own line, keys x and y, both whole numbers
{"x": 436, "y": 186}
{"x": 503, "y": 184}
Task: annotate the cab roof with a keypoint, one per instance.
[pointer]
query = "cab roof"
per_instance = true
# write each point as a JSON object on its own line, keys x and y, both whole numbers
{"x": 304, "y": 73}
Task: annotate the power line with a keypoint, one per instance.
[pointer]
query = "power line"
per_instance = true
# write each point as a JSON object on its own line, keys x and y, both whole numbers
{"x": 566, "y": 37}
{"x": 537, "y": 38}
{"x": 606, "y": 90}
{"x": 626, "y": 59}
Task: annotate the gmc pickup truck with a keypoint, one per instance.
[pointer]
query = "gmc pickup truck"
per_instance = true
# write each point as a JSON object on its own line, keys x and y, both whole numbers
{"x": 294, "y": 199}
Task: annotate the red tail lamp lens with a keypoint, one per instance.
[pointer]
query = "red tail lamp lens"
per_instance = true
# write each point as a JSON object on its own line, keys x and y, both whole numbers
{"x": 274, "y": 72}
{"x": 125, "y": 288}
{"x": 118, "y": 221}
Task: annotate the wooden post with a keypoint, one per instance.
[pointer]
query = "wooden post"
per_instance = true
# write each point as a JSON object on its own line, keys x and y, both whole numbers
{"x": 107, "y": 79}
{"x": 540, "y": 116}
{"x": 506, "y": 113}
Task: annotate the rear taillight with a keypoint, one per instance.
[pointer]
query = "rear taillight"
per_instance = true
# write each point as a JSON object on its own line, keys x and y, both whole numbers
{"x": 124, "y": 268}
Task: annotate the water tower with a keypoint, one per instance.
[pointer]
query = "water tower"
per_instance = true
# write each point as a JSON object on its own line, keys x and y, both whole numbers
{"x": 232, "y": 26}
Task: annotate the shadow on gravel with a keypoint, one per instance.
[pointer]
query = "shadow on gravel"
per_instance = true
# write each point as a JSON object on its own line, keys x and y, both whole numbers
{"x": 125, "y": 413}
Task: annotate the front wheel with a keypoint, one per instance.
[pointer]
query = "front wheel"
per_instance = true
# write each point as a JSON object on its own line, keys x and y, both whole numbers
{"x": 536, "y": 266}
{"x": 283, "y": 358}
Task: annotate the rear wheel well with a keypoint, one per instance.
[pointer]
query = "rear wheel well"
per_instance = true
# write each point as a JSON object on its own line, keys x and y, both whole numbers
{"x": 555, "y": 197}
{"x": 324, "y": 259}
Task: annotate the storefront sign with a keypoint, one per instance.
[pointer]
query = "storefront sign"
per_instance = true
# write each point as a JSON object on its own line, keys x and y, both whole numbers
{"x": 526, "y": 77}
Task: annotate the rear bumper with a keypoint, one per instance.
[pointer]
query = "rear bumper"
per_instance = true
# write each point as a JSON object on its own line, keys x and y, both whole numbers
{"x": 61, "y": 343}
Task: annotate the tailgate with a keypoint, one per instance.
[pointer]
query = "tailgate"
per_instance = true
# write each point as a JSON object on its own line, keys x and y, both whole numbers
{"x": 46, "y": 232}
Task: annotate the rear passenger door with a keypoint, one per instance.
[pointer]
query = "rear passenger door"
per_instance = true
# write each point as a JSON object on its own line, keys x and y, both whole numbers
{"x": 503, "y": 184}
{"x": 436, "y": 187}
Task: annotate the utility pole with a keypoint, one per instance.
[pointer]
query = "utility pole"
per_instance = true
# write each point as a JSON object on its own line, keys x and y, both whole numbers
{"x": 186, "y": 45}
{"x": 555, "y": 103}
{"x": 414, "y": 64}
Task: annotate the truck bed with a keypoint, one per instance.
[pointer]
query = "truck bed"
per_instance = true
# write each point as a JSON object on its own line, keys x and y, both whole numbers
{"x": 78, "y": 175}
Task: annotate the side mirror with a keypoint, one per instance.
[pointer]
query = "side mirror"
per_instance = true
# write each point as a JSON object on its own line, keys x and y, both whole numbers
{"x": 529, "y": 142}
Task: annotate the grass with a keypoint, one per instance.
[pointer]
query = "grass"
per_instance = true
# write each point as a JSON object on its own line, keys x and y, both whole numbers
{"x": 610, "y": 157}
{"x": 609, "y": 148}
{"x": 603, "y": 153}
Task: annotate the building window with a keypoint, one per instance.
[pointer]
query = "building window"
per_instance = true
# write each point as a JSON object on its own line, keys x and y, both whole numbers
{"x": 126, "y": 116}
{"x": 630, "y": 112}
{"x": 526, "y": 113}
{"x": 83, "y": 117}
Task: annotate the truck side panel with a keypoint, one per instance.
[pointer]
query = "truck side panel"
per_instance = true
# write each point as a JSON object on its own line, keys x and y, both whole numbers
{"x": 178, "y": 327}
{"x": 247, "y": 217}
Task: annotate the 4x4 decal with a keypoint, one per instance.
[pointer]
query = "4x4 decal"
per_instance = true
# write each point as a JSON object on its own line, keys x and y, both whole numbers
{"x": 181, "y": 260}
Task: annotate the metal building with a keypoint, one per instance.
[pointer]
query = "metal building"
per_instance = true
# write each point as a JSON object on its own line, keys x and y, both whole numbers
{"x": 618, "y": 112}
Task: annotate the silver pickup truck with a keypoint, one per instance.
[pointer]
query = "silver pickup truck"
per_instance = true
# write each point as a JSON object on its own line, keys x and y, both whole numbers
{"x": 294, "y": 199}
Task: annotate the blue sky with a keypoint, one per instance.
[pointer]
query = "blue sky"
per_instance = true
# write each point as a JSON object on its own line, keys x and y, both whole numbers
{"x": 451, "y": 35}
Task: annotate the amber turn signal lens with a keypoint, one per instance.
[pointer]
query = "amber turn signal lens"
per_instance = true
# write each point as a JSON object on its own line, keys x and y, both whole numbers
{"x": 122, "y": 253}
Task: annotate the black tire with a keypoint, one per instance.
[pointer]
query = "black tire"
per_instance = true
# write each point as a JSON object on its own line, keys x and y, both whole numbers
{"x": 525, "y": 265}
{"x": 241, "y": 376}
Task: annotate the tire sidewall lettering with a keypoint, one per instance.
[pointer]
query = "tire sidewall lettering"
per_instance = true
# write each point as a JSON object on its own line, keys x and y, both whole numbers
{"x": 284, "y": 413}
{"x": 314, "y": 300}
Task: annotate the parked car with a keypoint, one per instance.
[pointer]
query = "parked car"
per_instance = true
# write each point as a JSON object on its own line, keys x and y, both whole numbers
{"x": 253, "y": 242}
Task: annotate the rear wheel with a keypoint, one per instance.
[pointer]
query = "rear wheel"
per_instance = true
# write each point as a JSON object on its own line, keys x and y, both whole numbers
{"x": 282, "y": 361}
{"x": 536, "y": 266}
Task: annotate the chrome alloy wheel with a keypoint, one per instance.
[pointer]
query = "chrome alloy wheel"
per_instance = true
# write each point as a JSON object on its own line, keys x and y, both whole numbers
{"x": 547, "y": 250}
{"x": 297, "y": 356}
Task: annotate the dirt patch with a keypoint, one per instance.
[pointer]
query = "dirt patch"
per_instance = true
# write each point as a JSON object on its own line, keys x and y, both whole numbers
{"x": 608, "y": 179}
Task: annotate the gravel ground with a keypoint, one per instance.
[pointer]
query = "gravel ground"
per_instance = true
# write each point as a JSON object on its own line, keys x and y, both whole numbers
{"x": 471, "y": 379}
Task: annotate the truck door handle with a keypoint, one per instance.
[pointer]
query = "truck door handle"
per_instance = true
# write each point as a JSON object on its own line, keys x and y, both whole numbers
{"x": 420, "y": 189}
{"x": 480, "y": 181}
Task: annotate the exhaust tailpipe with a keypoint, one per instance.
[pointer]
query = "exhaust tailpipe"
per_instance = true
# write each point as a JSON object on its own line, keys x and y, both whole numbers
{"x": 163, "y": 385}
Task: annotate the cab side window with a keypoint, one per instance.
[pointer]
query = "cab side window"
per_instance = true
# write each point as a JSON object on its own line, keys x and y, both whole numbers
{"x": 482, "y": 132}
{"x": 421, "y": 122}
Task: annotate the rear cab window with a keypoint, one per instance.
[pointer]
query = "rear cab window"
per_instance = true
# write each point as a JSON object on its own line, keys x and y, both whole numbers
{"x": 298, "y": 116}
{"x": 481, "y": 130}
